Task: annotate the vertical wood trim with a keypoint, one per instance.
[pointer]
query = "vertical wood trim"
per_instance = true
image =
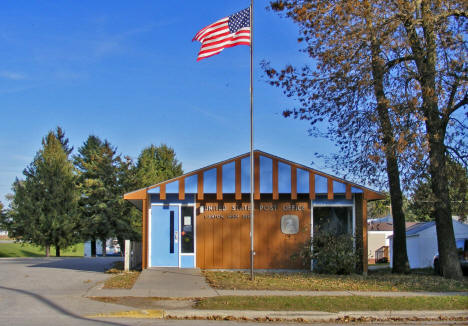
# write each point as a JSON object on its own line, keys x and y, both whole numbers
{"x": 348, "y": 192}
{"x": 219, "y": 182}
{"x": 144, "y": 247}
{"x": 330, "y": 189}
{"x": 182, "y": 189}
{"x": 162, "y": 192}
{"x": 311, "y": 185}
{"x": 364, "y": 237}
{"x": 200, "y": 186}
{"x": 238, "y": 180}
{"x": 275, "y": 179}
{"x": 293, "y": 183}
{"x": 256, "y": 177}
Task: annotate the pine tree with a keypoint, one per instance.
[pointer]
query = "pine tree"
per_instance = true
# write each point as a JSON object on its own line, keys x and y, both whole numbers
{"x": 156, "y": 164}
{"x": 102, "y": 181}
{"x": 44, "y": 206}
{"x": 422, "y": 201}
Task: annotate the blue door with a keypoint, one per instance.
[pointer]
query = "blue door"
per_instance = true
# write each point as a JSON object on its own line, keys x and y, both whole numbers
{"x": 165, "y": 236}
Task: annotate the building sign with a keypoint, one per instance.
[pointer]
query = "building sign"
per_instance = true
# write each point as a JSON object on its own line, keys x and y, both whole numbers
{"x": 290, "y": 224}
{"x": 231, "y": 211}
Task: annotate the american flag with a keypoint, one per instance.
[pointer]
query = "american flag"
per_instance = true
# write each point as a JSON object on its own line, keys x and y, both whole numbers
{"x": 224, "y": 33}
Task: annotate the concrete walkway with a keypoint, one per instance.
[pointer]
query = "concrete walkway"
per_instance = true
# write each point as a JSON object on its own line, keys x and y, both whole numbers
{"x": 187, "y": 284}
{"x": 164, "y": 283}
{"x": 178, "y": 283}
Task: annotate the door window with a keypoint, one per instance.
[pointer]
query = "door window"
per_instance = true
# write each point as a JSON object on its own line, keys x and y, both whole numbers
{"x": 187, "y": 230}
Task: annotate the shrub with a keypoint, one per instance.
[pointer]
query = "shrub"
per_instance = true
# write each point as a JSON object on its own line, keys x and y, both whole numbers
{"x": 330, "y": 253}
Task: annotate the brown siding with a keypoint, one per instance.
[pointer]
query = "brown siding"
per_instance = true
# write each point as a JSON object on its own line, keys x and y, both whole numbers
{"x": 144, "y": 234}
{"x": 256, "y": 176}
{"x": 293, "y": 183}
{"x": 359, "y": 232}
{"x": 238, "y": 180}
{"x": 364, "y": 237}
{"x": 330, "y": 189}
{"x": 311, "y": 186}
{"x": 224, "y": 241}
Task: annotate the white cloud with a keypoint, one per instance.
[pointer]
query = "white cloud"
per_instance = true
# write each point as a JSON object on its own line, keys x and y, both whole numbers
{"x": 12, "y": 75}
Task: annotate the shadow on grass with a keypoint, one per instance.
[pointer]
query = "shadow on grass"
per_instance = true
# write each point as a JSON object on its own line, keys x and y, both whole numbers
{"x": 59, "y": 309}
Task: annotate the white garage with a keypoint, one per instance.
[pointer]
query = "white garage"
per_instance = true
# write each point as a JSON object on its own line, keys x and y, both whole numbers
{"x": 421, "y": 242}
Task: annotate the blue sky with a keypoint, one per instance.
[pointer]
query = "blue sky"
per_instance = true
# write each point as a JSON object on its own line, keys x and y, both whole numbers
{"x": 127, "y": 71}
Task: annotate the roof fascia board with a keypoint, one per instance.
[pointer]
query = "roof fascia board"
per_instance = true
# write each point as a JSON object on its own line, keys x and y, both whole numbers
{"x": 369, "y": 194}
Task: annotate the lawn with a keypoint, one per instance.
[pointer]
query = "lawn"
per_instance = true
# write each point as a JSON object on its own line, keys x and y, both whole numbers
{"x": 27, "y": 250}
{"x": 120, "y": 278}
{"x": 124, "y": 280}
{"x": 332, "y": 303}
{"x": 382, "y": 280}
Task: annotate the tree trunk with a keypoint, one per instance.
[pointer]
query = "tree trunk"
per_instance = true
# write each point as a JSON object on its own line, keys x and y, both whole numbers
{"x": 103, "y": 242}
{"x": 93, "y": 248}
{"x": 47, "y": 250}
{"x": 448, "y": 257}
{"x": 400, "y": 256}
{"x": 424, "y": 50}
{"x": 122, "y": 246}
{"x": 57, "y": 251}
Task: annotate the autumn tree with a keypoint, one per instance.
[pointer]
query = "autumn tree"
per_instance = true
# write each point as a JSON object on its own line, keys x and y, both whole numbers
{"x": 368, "y": 81}
{"x": 433, "y": 45}
{"x": 156, "y": 164}
{"x": 44, "y": 206}
{"x": 347, "y": 86}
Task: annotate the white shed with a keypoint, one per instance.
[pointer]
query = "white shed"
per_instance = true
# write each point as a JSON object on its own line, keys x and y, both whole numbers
{"x": 421, "y": 242}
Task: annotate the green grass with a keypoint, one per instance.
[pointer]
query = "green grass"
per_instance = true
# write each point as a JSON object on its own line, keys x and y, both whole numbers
{"x": 382, "y": 280}
{"x": 27, "y": 250}
{"x": 332, "y": 303}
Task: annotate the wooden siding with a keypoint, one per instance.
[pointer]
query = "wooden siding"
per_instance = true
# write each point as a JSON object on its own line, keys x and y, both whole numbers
{"x": 161, "y": 187}
{"x": 223, "y": 241}
{"x": 144, "y": 234}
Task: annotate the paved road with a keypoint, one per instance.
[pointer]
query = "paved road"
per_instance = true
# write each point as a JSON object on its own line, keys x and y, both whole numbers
{"x": 42, "y": 291}
{"x": 50, "y": 291}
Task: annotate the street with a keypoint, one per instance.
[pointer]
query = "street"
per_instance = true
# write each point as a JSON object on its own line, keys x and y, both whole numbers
{"x": 52, "y": 291}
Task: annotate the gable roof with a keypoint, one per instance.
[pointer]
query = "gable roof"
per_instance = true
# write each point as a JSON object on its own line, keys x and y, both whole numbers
{"x": 418, "y": 227}
{"x": 380, "y": 226}
{"x": 272, "y": 174}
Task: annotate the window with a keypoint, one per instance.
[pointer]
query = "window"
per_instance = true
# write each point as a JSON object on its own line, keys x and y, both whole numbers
{"x": 187, "y": 230}
{"x": 335, "y": 220}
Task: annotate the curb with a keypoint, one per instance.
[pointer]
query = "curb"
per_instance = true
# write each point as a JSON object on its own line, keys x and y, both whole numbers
{"x": 288, "y": 315}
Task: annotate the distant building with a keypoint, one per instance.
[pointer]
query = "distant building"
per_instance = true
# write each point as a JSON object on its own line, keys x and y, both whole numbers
{"x": 378, "y": 237}
{"x": 112, "y": 248}
{"x": 421, "y": 242}
{"x": 379, "y": 233}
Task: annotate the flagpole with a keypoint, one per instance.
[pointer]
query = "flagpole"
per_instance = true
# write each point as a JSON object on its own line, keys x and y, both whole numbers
{"x": 252, "y": 207}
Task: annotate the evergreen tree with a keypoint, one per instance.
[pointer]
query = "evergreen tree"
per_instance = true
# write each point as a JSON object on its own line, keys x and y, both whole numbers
{"x": 422, "y": 201}
{"x": 60, "y": 135}
{"x": 102, "y": 181}
{"x": 2, "y": 217}
{"x": 44, "y": 206}
{"x": 156, "y": 164}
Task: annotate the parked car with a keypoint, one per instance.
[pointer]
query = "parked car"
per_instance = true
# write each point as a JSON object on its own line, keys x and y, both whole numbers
{"x": 462, "y": 249}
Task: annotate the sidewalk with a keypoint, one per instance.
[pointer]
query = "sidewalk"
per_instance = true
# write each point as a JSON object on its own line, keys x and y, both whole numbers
{"x": 178, "y": 283}
{"x": 180, "y": 288}
{"x": 291, "y": 316}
